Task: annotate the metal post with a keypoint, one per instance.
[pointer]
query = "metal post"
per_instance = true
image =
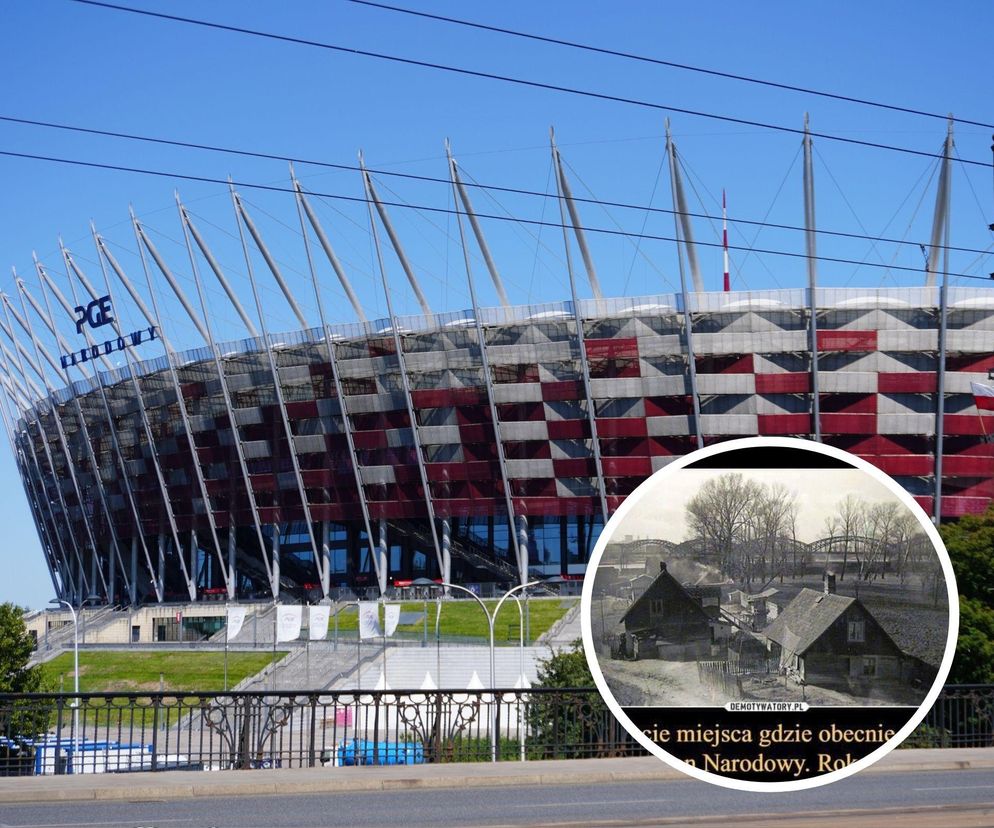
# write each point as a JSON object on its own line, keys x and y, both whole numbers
{"x": 484, "y": 359}
{"x": 277, "y": 383}
{"x": 304, "y": 207}
{"x": 141, "y": 237}
{"x": 940, "y": 405}
{"x": 223, "y": 382}
{"x": 102, "y": 253}
{"x": 687, "y": 318}
{"x": 810, "y": 239}
{"x": 581, "y": 338}
{"x": 401, "y": 362}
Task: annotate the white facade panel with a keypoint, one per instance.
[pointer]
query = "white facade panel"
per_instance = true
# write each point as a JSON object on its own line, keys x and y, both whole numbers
{"x": 526, "y": 430}
{"x": 726, "y": 384}
{"x": 906, "y": 424}
{"x": 679, "y": 424}
{"x": 519, "y": 469}
{"x": 729, "y": 424}
{"x": 847, "y": 382}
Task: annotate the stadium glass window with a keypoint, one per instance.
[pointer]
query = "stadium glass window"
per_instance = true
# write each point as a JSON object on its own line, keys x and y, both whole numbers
{"x": 857, "y": 631}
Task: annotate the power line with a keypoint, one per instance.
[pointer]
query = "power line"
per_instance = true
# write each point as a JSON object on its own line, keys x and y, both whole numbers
{"x": 602, "y": 96}
{"x": 587, "y": 47}
{"x": 269, "y": 156}
{"x": 406, "y": 206}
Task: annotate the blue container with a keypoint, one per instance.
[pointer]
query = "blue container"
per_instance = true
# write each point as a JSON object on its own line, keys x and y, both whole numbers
{"x": 361, "y": 752}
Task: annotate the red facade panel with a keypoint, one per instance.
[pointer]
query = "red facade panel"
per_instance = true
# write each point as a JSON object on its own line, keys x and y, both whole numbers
{"x": 968, "y": 465}
{"x": 575, "y": 467}
{"x": 568, "y": 429}
{"x": 612, "y": 348}
{"x": 447, "y": 397}
{"x": 626, "y": 466}
{"x": 907, "y": 382}
{"x": 621, "y": 427}
{"x": 953, "y": 506}
{"x": 565, "y": 390}
{"x": 902, "y": 465}
{"x": 967, "y": 424}
{"x": 795, "y": 382}
{"x": 771, "y": 424}
{"x": 303, "y": 410}
{"x": 849, "y": 423}
{"x": 847, "y": 340}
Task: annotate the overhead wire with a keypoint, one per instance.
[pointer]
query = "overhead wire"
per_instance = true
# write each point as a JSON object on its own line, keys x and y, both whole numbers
{"x": 603, "y": 96}
{"x": 360, "y": 199}
{"x": 415, "y": 177}
{"x": 588, "y": 47}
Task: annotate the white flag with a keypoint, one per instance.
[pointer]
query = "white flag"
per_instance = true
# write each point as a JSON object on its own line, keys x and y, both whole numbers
{"x": 288, "y": 621}
{"x": 369, "y": 619}
{"x": 317, "y": 621}
{"x": 236, "y": 618}
{"x": 391, "y": 617}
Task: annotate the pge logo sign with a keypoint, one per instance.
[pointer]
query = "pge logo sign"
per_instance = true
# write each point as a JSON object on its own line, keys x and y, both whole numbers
{"x": 95, "y": 314}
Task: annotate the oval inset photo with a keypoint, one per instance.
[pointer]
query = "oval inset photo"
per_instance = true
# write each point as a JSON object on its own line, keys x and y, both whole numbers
{"x": 769, "y": 614}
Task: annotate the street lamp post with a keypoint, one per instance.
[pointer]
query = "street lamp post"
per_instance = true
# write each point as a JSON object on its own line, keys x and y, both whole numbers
{"x": 491, "y": 619}
{"x": 75, "y": 674}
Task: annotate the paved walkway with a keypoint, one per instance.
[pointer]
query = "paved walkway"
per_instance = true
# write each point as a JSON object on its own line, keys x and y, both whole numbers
{"x": 189, "y": 784}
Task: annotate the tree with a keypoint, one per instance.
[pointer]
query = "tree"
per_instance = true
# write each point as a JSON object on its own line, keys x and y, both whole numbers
{"x": 20, "y": 720}
{"x": 569, "y": 725}
{"x": 970, "y": 543}
{"x": 720, "y": 515}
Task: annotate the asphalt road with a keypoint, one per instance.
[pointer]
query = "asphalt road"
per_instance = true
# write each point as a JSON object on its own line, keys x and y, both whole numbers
{"x": 941, "y": 799}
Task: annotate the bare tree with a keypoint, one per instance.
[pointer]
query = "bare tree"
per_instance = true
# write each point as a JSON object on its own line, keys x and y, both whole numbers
{"x": 720, "y": 515}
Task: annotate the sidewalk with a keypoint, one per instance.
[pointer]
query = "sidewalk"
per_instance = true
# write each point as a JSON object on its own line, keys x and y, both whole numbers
{"x": 189, "y": 784}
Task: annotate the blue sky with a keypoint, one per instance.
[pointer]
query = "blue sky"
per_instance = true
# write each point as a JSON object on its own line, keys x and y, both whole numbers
{"x": 98, "y": 68}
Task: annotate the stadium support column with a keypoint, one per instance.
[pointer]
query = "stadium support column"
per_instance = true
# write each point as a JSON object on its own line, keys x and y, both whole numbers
{"x": 523, "y": 546}
{"x": 64, "y": 446}
{"x": 50, "y": 530}
{"x": 188, "y": 229}
{"x": 566, "y": 195}
{"x": 153, "y": 452}
{"x": 47, "y": 319}
{"x": 115, "y": 442}
{"x": 812, "y": 256}
{"x": 277, "y": 384}
{"x": 144, "y": 243}
{"x": 304, "y": 208}
{"x": 581, "y": 334}
{"x": 681, "y": 218}
{"x": 382, "y": 557}
{"x": 374, "y": 199}
{"x": 945, "y": 194}
{"x": 446, "y": 551}
{"x": 459, "y": 192}
{"x": 371, "y": 199}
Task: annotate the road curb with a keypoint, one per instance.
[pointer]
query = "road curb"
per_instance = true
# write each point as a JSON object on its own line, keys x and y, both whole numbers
{"x": 178, "y": 784}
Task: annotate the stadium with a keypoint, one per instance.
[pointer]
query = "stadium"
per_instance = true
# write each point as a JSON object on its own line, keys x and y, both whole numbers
{"x": 485, "y": 445}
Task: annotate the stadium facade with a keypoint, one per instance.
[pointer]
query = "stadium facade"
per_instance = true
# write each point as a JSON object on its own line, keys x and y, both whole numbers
{"x": 483, "y": 445}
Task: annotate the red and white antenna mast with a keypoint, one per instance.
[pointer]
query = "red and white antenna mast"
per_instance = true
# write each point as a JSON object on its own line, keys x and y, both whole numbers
{"x": 724, "y": 239}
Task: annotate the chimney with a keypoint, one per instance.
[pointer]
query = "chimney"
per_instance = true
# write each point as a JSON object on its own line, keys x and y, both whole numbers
{"x": 662, "y": 566}
{"x": 829, "y": 583}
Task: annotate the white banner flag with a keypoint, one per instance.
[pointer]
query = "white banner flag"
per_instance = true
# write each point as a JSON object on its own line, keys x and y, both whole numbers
{"x": 317, "y": 621}
{"x": 236, "y": 618}
{"x": 369, "y": 619}
{"x": 391, "y": 616}
{"x": 288, "y": 622}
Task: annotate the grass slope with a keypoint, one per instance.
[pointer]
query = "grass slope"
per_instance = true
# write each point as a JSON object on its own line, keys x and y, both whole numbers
{"x": 139, "y": 671}
{"x": 465, "y": 619}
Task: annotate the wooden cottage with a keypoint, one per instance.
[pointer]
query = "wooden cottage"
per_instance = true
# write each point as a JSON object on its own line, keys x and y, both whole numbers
{"x": 667, "y": 618}
{"x": 833, "y": 641}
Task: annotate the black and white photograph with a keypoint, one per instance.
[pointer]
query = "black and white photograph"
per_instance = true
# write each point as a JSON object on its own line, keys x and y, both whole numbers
{"x": 769, "y": 584}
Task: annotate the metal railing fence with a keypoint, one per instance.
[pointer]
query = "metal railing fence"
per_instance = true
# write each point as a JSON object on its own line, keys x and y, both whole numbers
{"x": 116, "y": 732}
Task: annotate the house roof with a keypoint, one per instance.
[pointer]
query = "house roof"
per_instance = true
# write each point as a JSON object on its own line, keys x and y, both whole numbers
{"x": 663, "y": 577}
{"x": 805, "y": 619}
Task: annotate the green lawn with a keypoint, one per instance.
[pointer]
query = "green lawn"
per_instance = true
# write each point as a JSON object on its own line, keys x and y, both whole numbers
{"x": 465, "y": 618}
{"x": 138, "y": 671}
